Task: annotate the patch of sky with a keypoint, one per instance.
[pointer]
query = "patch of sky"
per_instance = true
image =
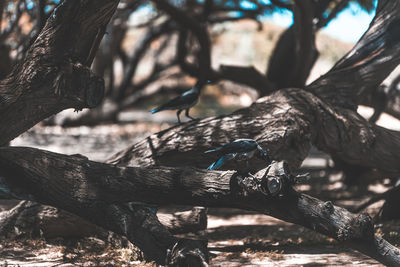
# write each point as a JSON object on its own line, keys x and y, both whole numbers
{"x": 350, "y": 24}
{"x": 47, "y": 9}
{"x": 10, "y": 6}
{"x": 30, "y": 4}
{"x": 248, "y": 5}
{"x": 282, "y": 18}
{"x": 141, "y": 15}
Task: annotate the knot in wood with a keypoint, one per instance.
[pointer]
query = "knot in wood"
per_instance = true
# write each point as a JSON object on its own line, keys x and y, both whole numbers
{"x": 328, "y": 207}
{"x": 274, "y": 185}
{"x": 271, "y": 185}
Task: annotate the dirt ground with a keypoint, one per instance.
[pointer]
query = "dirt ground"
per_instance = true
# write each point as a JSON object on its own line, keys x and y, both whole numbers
{"x": 236, "y": 238}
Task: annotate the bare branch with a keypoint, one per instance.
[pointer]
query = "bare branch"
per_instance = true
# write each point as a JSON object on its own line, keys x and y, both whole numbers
{"x": 371, "y": 60}
{"x": 54, "y": 68}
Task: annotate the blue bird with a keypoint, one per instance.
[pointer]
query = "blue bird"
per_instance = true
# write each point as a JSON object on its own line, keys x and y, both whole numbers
{"x": 240, "y": 149}
{"x": 185, "y": 101}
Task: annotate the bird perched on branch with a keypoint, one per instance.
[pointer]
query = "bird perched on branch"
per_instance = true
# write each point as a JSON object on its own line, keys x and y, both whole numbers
{"x": 185, "y": 101}
{"x": 240, "y": 149}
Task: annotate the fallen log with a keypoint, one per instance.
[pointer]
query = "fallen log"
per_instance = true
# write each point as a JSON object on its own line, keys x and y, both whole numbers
{"x": 82, "y": 187}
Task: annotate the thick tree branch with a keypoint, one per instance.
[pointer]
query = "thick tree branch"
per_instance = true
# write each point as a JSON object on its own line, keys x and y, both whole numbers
{"x": 246, "y": 75}
{"x": 56, "y": 68}
{"x": 304, "y": 31}
{"x": 82, "y": 186}
{"x": 371, "y": 60}
{"x": 190, "y": 221}
{"x": 286, "y": 123}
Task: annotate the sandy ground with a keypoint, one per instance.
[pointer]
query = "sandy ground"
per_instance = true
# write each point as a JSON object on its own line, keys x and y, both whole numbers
{"x": 236, "y": 238}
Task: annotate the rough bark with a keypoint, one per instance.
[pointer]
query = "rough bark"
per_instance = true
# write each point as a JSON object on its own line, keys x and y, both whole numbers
{"x": 31, "y": 219}
{"x": 54, "y": 76}
{"x": 371, "y": 60}
{"x": 81, "y": 186}
{"x": 34, "y": 220}
{"x": 185, "y": 221}
{"x": 55, "y": 73}
{"x": 285, "y": 123}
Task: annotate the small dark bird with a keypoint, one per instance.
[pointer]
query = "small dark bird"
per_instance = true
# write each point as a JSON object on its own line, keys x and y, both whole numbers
{"x": 240, "y": 149}
{"x": 185, "y": 101}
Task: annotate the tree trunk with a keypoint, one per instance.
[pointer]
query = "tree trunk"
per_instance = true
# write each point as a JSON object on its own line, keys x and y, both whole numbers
{"x": 56, "y": 68}
{"x": 295, "y": 53}
{"x": 371, "y": 60}
{"x": 286, "y": 122}
{"x": 82, "y": 187}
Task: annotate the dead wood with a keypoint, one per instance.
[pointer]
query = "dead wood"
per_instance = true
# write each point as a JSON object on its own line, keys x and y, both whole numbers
{"x": 371, "y": 60}
{"x": 193, "y": 220}
{"x": 56, "y": 68}
{"x": 82, "y": 186}
{"x": 31, "y": 219}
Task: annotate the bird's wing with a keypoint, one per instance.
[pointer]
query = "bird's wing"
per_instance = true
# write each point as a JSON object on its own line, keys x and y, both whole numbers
{"x": 222, "y": 160}
{"x": 180, "y": 101}
{"x": 239, "y": 145}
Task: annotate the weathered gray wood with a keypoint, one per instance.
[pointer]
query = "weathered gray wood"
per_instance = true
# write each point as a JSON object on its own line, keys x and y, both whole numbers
{"x": 31, "y": 219}
{"x": 285, "y": 123}
{"x": 193, "y": 220}
{"x": 82, "y": 186}
{"x": 55, "y": 73}
{"x": 371, "y": 60}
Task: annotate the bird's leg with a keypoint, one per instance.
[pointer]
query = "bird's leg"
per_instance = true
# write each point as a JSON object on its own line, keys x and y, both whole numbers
{"x": 177, "y": 114}
{"x": 187, "y": 114}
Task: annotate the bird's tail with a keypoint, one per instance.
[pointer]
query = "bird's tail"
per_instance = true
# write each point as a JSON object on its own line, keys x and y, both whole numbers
{"x": 155, "y": 110}
{"x": 222, "y": 160}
